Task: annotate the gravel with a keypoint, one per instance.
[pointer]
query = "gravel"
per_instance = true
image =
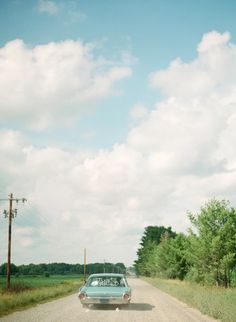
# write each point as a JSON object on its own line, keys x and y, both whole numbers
{"x": 148, "y": 304}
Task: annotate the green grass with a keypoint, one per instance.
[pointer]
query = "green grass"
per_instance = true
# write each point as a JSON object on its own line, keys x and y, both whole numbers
{"x": 219, "y": 303}
{"x": 37, "y": 281}
{"x": 29, "y": 291}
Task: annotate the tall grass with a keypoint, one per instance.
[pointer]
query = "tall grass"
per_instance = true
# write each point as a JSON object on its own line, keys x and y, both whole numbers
{"x": 27, "y": 292}
{"x": 219, "y": 303}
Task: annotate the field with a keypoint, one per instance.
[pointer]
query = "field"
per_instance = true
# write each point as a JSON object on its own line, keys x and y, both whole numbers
{"x": 28, "y": 290}
{"x": 216, "y": 302}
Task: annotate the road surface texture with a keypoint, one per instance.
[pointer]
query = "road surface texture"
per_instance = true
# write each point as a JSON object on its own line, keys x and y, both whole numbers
{"x": 148, "y": 304}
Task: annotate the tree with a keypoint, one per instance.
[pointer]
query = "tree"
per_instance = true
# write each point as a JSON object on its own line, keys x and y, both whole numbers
{"x": 3, "y": 269}
{"x": 146, "y": 262}
{"x": 155, "y": 233}
{"x": 213, "y": 246}
{"x": 172, "y": 261}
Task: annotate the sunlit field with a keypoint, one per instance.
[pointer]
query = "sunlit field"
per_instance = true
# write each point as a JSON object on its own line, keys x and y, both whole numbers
{"x": 30, "y": 290}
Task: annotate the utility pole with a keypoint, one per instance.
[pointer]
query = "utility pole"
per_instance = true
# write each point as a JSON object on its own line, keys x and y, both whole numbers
{"x": 85, "y": 265}
{"x": 10, "y": 214}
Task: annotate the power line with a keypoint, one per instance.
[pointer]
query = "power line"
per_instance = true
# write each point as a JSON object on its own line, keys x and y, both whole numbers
{"x": 12, "y": 213}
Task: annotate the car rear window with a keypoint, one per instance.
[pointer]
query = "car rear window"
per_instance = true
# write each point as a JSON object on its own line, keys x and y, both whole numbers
{"x": 107, "y": 281}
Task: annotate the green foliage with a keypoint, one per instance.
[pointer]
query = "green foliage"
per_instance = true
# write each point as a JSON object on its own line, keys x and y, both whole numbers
{"x": 147, "y": 253}
{"x": 13, "y": 267}
{"x": 213, "y": 248}
{"x": 63, "y": 269}
{"x": 207, "y": 254}
{"x": 172, "y": 258}
{"x": 154, "y": 234}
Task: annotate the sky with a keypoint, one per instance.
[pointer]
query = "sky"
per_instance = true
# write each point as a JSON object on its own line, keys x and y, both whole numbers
{"x": 114, "y": 115}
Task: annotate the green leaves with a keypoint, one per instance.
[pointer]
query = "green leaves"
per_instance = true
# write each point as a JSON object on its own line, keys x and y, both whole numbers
{"x": 147, "y": 263}
{"x": 215, "y": 243}
{"x": 207, "y": 254}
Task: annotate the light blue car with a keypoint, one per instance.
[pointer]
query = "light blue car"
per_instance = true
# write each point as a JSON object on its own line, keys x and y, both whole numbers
{"x": 105, "y": 289}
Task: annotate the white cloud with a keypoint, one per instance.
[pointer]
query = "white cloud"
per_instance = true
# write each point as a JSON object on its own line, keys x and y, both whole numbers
{"x": 49, "y": 7}
{"x": 210, "y": 74}
{"x": 213, "y": 40}
{"x": 139, "y": 111}
{"x": 178, "y": 157}
{"x": 53, "y": 82}
{"x": 69, "y": 10}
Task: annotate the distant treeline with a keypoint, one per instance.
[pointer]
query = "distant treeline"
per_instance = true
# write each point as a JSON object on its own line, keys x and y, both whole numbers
{"x": 62, "y": 269}
{"x": 207, "y": 254}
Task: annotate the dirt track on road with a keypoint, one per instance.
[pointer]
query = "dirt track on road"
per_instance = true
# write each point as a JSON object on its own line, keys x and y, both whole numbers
{"x": 149, "y": 304}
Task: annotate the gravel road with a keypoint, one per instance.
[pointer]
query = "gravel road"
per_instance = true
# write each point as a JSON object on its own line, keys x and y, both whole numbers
{"x": 148, "y": 304}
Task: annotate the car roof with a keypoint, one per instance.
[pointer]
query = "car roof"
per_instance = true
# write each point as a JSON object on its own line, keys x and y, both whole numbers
{"x": 106, "y": 274}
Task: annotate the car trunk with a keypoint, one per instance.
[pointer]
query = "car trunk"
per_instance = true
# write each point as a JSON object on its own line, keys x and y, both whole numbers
{"x": 105, "y": 292}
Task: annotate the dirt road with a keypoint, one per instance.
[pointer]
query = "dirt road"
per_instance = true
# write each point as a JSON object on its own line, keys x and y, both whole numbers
{"x": 148, "y": 305}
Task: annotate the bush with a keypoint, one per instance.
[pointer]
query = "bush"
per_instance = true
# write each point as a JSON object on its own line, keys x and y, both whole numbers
{"x": 194, "y": 276}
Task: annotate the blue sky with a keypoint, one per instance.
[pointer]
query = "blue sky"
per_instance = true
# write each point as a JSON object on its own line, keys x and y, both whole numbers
{"x": 154, "y": 32}
{"x": 105, "y": 103}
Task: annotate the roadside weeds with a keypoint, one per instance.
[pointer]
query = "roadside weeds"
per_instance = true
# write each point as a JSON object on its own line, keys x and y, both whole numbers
{"x": 218, "y": 303}
{"x": 13, "y": 301}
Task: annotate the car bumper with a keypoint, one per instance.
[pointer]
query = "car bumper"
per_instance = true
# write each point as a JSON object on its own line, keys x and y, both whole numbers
{"x": 99, "y": 300}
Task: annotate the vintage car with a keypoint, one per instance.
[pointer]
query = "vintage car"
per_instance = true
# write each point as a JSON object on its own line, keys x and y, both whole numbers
{"x": 105, "y": 289}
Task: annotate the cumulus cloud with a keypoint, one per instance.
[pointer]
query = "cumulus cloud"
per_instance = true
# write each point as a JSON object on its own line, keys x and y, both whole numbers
{"x": 178, "y": 157}
{"x": 72, "y": 197}
{"x": 52, "y": 83}
{"x": 213, "y": 40}
{"x": 211, "y": 73}
{"x": 197, "y": 116}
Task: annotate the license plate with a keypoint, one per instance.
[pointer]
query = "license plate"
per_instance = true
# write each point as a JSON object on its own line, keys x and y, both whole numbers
{"x": 104, "y": 301}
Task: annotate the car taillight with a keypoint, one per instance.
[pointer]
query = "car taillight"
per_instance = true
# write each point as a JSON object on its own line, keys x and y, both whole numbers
{"x": 82, "y": 296}
{"x": 126, "y": 296}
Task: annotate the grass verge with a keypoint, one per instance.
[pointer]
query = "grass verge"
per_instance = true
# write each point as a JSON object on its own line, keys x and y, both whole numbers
{"x": 219, "y": 303}
{"x": 24, "y": 295}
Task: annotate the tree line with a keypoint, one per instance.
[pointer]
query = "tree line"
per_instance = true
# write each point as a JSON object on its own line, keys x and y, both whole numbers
{"x": 206, "y": 254}
{"x": 62, "y": 269}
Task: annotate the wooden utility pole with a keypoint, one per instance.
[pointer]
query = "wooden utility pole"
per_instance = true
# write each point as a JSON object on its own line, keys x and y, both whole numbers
{"x": 9, "y": 243}
{"x": 85, "y": 265}
{"x": 10, "y": 214}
